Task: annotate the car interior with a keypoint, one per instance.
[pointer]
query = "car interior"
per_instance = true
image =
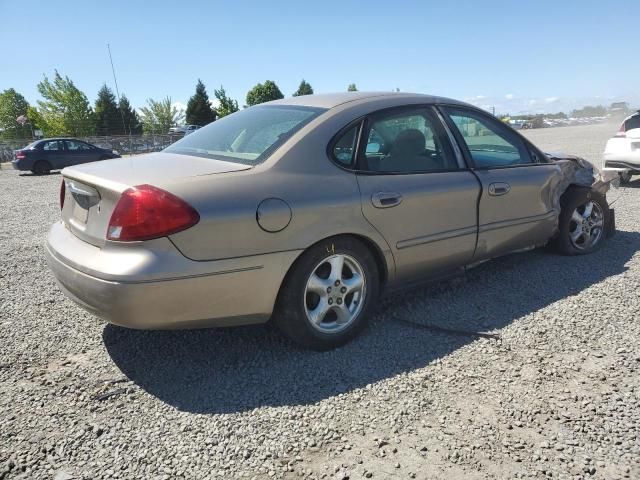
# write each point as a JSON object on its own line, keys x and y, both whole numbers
{"x": 405, "y": 144}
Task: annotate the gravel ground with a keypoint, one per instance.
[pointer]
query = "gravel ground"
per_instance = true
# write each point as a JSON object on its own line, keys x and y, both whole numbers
{"x": 554, "y": 393}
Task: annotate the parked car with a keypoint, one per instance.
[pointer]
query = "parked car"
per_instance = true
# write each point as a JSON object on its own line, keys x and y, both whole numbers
{"x": 305, "y": 210}
{"x": 184, "y": 129}
{"x": 623, "y": 150}
{"x": 42, "y": 156}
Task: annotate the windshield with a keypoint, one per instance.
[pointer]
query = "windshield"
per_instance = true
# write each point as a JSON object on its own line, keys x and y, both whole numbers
{"x": 248, "y": 136}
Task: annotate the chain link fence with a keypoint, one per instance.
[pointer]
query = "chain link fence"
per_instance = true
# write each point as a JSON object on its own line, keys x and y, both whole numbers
{"x": 125, "y": 145}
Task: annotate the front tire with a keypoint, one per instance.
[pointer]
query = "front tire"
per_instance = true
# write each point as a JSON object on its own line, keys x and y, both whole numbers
{"x": 328, "y": 294}
{"x": 583, "y": 222}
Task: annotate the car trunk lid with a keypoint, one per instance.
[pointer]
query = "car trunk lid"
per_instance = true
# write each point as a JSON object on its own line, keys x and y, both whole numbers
{"x": 92, "y": 190}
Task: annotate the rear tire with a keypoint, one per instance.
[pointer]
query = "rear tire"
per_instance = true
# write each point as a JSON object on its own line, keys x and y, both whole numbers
{"x": 328, "y": 294}
{"x": 583, "y": 222}
{"x": 625, "y": 178}
{"x": 42, "y": 167}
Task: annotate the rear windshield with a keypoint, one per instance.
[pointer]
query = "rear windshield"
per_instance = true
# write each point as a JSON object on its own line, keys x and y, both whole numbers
{"x": 248, "y": 136}
{"x": 632, "y": 122}
{"x": 32, "y": 145}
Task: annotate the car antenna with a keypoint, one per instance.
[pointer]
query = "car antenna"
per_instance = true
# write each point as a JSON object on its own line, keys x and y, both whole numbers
{"x": 113, "y": 70}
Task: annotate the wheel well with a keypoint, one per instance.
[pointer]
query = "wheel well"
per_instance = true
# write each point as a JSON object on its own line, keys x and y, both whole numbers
{"x": 377, "y": 255}
{"x": 571, "y": 188}
{"x": 371, "y": 246}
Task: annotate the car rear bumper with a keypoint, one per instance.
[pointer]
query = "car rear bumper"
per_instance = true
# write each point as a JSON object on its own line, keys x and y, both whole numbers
{"x": 165, "y": 290}
{"x": 22, "y": 164}
{"x": 629, "y": 160}
{"x": 620, "y": 164}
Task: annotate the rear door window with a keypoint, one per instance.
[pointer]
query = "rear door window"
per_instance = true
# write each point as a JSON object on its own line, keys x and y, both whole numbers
{"x": 409, "y": 140}
{"x": 53, "y": 145}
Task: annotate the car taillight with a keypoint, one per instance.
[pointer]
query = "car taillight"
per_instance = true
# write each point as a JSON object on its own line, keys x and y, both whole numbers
{"x": 146, "y": 212}
{"x": 20, "y": 155}
{"x": 622, "y": 132}
{"x": 63, "y": 191}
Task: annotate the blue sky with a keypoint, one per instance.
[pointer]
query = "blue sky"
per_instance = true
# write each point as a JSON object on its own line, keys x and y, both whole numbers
{"x": 515, "y": 55}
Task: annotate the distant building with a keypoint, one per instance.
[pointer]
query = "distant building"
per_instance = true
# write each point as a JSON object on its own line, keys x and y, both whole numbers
{"x": 619, "y": 107}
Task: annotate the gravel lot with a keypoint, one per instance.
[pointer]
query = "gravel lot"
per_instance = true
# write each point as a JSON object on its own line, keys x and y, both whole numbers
{"x": 555, "y": 394}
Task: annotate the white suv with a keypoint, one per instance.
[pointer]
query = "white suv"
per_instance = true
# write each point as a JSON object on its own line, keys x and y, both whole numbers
{"x": 623, "y": 150}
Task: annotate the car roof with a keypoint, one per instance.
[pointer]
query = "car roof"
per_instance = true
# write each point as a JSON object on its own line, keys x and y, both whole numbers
{"x": 61, "y": 138}
{"x": 331, "y": 100}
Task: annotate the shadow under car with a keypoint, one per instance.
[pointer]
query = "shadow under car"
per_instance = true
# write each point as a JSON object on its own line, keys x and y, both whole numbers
{"x": 238, "y": 369}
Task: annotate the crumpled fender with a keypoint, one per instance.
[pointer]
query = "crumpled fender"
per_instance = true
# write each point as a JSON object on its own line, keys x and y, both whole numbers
{"x": 578, "y": 171}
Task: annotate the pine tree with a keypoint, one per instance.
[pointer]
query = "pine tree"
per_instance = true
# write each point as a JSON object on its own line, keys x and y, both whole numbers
{"x": 107, "y": 117}
{"x": 352, "y": 88}
{"x": 199, "y": 111}
{"x": 304, "y": 88}
{"x": 132, "y": 122}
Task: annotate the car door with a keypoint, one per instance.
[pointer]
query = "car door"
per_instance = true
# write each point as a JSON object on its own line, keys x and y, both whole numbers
{"x": 54, "y": 153}
{"x": 516, "y": 208}
{"x": 78, "y": 152}
{"x": 415, "y": 191}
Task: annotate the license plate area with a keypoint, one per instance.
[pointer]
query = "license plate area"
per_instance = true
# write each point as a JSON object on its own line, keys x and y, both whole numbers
{"x": 80, "y": 214}
{"x": 635, "y": 146}
{"x": 84, "y": 198}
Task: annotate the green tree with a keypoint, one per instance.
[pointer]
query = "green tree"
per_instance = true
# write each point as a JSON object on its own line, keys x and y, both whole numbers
{"x": 304, "y": 89}
{"x": 12, "y": 106}
{"x": 36, "y": 120}
{"x": 65, "y": 109}
{"x": 107, "y": 115}
{"x": 352, "y": 88}
{"x": 226, "y": 106}
{"x": 132, "y": 123}
{"x": 264, "y": 92}
{"x": 160, "y": 115}
{"x": 199, "y": 111}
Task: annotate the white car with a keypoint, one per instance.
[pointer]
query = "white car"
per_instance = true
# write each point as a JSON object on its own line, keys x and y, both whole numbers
{"x": 186, "y": 129}
{"x": 623, "y": 151}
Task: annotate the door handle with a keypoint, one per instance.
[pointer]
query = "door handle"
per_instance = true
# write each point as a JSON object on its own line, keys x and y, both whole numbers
{"x": 386, "y": 199}
{"x": 499, "y": 188}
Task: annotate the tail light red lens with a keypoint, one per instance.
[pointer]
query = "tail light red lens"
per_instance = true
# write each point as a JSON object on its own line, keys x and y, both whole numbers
{"x": 20, "y": 155}
{"x": 146, "y": 212}
{"x": 622, "y": 131}
{"x": 63, "y": 191}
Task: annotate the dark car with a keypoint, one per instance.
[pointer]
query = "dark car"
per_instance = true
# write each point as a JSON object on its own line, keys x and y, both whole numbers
{"x": 42, "y": 156}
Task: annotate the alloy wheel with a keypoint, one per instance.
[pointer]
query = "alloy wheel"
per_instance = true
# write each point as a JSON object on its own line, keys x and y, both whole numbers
{"x": 586, "y": 226}
{"x": 334, "y": 294}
